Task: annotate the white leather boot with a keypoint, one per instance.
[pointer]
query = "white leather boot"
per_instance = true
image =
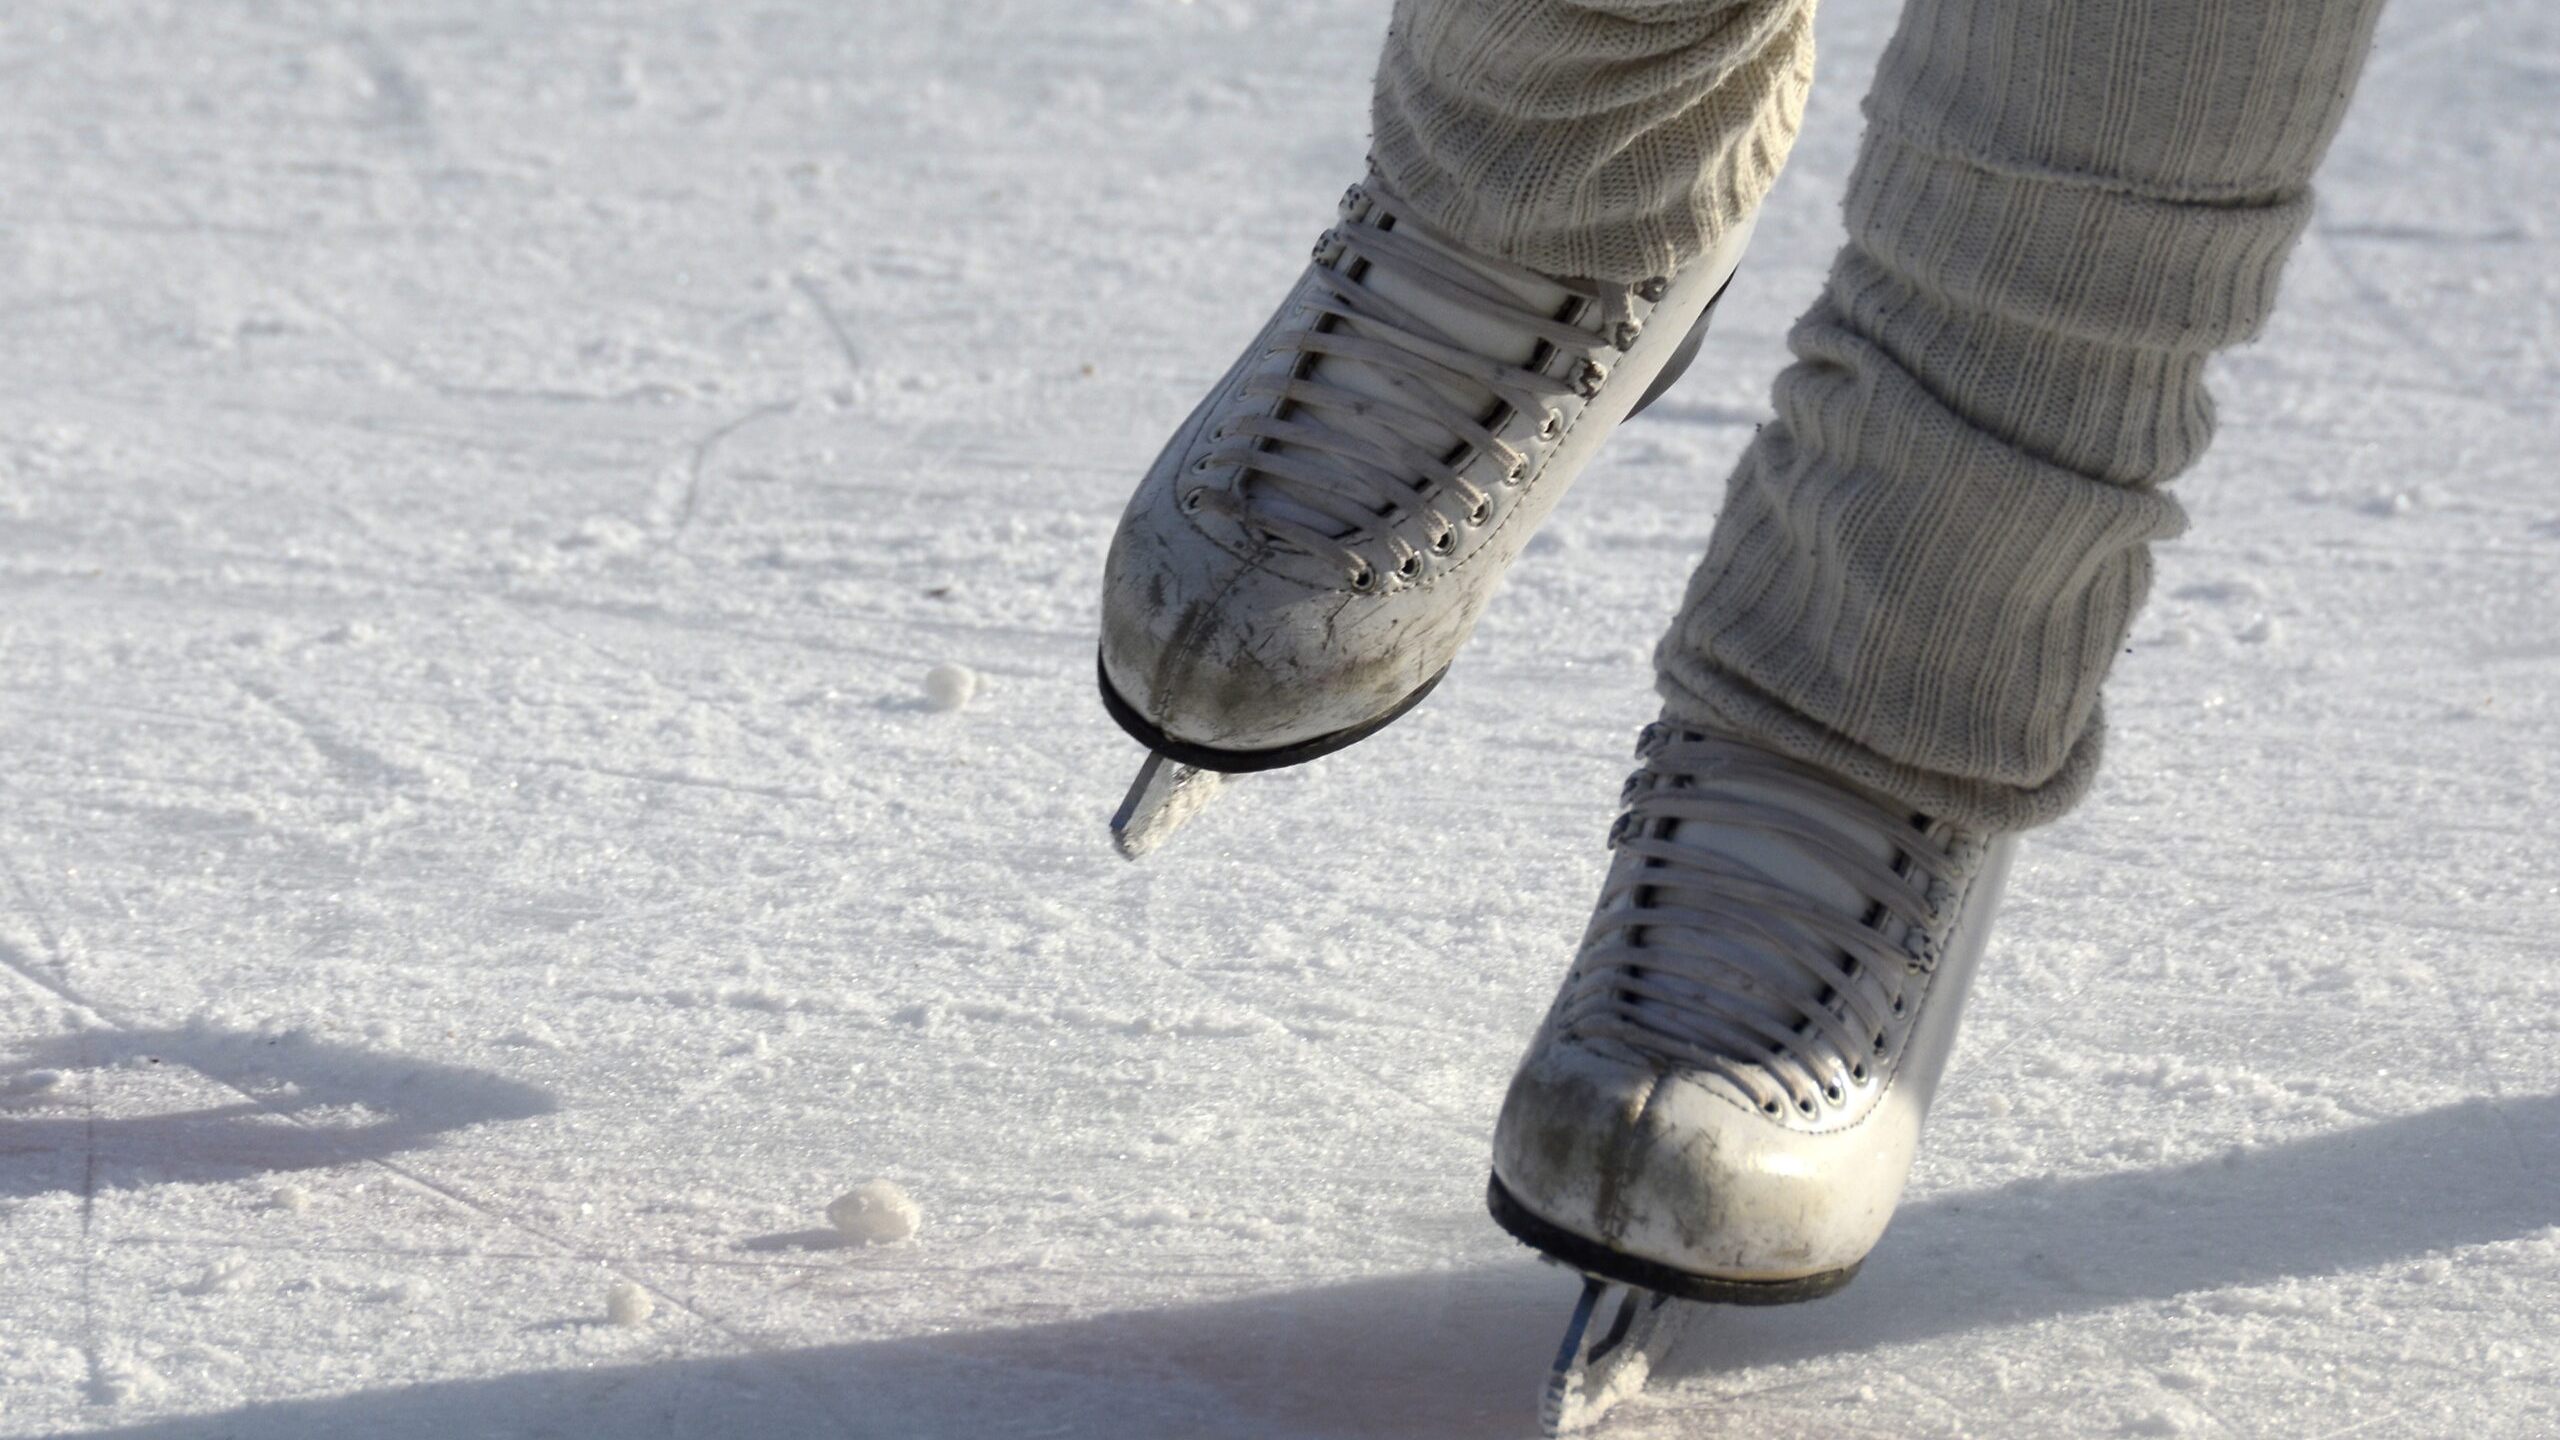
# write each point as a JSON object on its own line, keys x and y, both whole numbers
{"x": 1317, "y": 540}
{"x": 1724, "y": 1100}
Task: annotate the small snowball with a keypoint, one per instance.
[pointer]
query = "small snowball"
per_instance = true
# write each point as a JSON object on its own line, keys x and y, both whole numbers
{"x": 875, "y": 1214}
{"x": 291, "y": 1197}
{"x": 628, "y": 1306}
{"x": 948, "y": 687}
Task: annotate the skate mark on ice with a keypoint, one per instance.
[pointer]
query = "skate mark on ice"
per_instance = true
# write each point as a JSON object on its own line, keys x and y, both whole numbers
{"x": 675, "y": 513}
{"x": 835, "y": 323}
{"x": 360, "y": 763}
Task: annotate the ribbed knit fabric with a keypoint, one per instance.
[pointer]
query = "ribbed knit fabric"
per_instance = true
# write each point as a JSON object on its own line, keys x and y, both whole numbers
{"x": 1612, "y": 139}
{"x": 1927, "y": 563}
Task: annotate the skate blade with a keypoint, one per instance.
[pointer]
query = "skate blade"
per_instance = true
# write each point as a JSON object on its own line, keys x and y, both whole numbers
{"x": 1164, "y": 798}
{"x": 1617, "y": 1333}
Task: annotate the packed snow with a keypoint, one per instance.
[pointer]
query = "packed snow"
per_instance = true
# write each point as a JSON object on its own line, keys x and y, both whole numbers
{"x": 481, "y": 486}
{"x": 876, "y": 1212}
{"x": 628, "y": 1305}
{"x": 949, "y": 687}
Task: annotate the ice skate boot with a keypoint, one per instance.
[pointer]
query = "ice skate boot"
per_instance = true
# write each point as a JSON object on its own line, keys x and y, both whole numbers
{"x": 1723, "y": 1102}
{"x": 1318, "y": 538}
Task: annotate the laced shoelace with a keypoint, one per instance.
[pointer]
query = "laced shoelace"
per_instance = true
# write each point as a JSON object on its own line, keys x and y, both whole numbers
{"x": 1358, "y": 459}
{"x": 1702, "y": 961}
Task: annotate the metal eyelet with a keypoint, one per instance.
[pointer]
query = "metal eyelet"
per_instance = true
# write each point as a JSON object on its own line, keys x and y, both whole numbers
{"x": 1482, "y": 512}
{"x": 1772, "y": 1107}
{"x": 1364, "y": 579}
{"x": 1594, "y": 375}
{"x": 1200, "y": 466}
{"x": 1444, "y": 542}
{"x": 1833, "y": 1093}
{"x": 1552, "y": 426}
{"x": 1192, "y": 498}
{"x": 1804, "y": 1107}
{"x": 1858, "y": 1074}
{"x": 1625, "y": 337}
{"x": 1408, "y": 566}
{"x": 1651, "y": 291}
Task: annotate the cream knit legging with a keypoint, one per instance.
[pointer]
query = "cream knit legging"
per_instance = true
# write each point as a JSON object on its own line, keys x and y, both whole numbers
{"x": 2061, "y": 209}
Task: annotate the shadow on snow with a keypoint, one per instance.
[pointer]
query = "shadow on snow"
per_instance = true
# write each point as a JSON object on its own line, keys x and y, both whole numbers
{"x": 1458, "y": 1353}
{"x": 315, "y": 1104}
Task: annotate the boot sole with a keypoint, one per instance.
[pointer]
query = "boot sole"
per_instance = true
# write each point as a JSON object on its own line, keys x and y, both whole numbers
{"x": 1247, "y": 762}
{"x": 1593, "y": 1258}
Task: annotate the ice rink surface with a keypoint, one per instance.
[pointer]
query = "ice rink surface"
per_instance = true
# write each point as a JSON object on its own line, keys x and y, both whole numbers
{"x": 482, "y": 487}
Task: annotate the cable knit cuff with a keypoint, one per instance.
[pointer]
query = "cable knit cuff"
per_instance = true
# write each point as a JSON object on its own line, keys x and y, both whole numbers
{"x": 1614, "y": 139}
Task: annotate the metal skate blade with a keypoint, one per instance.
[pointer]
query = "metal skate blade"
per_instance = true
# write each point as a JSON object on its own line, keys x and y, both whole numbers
{"x": 1163, "y": 799}
{"x": 1610, "y": 1346}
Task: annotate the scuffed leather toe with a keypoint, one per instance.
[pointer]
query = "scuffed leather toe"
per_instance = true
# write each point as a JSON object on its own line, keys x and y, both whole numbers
{"x": 1217, "y": 651}
{"x": 1651, "y": 1164}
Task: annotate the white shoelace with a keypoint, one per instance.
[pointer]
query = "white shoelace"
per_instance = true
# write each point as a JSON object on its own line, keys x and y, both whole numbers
{"x": 1334, "y": 466}
{"x": 1703, "y": 959}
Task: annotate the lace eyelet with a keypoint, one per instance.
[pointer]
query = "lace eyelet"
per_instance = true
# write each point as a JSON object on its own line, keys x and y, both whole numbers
{"x": 1804, "y": 1107}
{"x": 1482, "y": 512}
{"x": 1858, "y": 1074}
{"x": 1900, "y": 1005}
{"x": 1651, "y": 291}
{"x": 1408, "y": 566}
{"x": 1772, "y": 1107}
{"x": 1192, "y": 498}
{"x": 1552, "y": 426}
{"x": 1200, "y": 466}
{"x": 1833, "y": 1093}
{"x": 1364, "y": 579}
{"x": 1627, "y": 333}
{"x": 1444, "y": 542}
{"x": 1594, "y": 375}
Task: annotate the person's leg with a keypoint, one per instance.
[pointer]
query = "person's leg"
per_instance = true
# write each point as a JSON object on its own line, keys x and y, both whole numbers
{"x": 1560, "y": 189}
{"x": 1614, "y": 139}
{"x": 1926, "y": 564}
{"x": 1891, "y": 656}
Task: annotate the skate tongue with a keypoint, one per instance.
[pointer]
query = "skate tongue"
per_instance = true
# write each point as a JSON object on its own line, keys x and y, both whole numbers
{"x": 1789, "y": 856}
{"x": 1777, "y": 859}
{"x": 1468, "y": 327}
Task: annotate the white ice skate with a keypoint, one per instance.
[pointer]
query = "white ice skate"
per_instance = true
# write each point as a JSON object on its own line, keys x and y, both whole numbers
{"x": 1723, "y": 1102}
{"x": 1317, "y": 540}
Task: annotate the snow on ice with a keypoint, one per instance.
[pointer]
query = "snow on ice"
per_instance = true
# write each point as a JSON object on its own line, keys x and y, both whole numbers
{"x": 628, "y": 1305}
{"x": 877, "y": 1212}
{"x": 482, "y": 487}
{"x": 949, "y": 686}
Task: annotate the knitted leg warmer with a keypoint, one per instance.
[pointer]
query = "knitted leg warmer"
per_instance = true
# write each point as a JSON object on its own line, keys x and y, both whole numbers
{"x": 1613, "y": 139}
{"x": 1926, "y": 564}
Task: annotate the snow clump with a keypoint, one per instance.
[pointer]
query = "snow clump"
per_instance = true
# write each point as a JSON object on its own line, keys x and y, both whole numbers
{"x": 875, "y": 1214}
{"x": 628, "y": 1306}
{"x": 948, "y": 687}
